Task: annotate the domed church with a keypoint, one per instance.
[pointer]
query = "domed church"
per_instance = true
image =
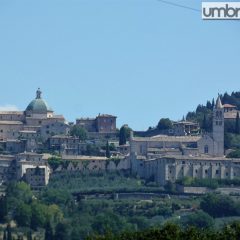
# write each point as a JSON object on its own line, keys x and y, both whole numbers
{"x": 38, "y": 121}
{"x": 38, "y": 107}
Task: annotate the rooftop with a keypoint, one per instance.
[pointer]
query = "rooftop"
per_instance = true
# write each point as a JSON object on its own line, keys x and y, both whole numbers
{"x": 229, "y": 106}
{"x": 165, "y": 138}
{"x": 10, "y": 123}
{"x": 82, "y": 158}
{"x": 12, "y": 112}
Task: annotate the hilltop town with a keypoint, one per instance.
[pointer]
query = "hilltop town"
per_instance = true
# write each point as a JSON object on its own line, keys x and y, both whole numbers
{"x": 32, "y": 139}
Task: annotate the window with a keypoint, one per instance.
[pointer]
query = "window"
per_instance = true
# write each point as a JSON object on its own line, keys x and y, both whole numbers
{"x": 206, "y": 171}
{"x": 196, "y": 171}
{"x": 206, "y": 149}
{"x": 217, "y": 172}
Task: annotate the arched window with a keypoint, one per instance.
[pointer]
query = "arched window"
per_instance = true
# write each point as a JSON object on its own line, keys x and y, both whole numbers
{"x": 206, "y": 149}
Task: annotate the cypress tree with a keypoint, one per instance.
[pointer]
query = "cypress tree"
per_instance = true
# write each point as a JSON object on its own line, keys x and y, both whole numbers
{"x": 237, "y": 126}
{"x": 5, "y": 235}
{"x": 29, "y": 235}
{"x": 108, "y": 154}
{"x": 213, "y": 103}
{"x": 9, "y": 232}
{"x": 3, "y": 208}
{"x": 48, "y": 232}
{"x": 204, "y": 124}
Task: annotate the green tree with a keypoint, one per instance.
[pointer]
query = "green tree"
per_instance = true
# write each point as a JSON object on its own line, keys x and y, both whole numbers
{"x": 23, "y": 215}
{"x": 237, "y": 126}
{"x": 9, "y": 232}
{"x": 164, "y": 124}
{"x": 234, "y": 154}
{"x": 48, "y": 231}
{"x": 124, "y": 134}
{"x": 199, "y": 219}
{"x": 29, "y": 235}
{"x": 108, "y": 154}
{"x": 39, "y": 213}
{"x": 79, "y": 132}
{"x": 218, "y": 205}
{"x": 170, "y": 187}
{"x": 62, "y": 232}
{"x": 5, "y": 235}
{"x": 3, "y": 209}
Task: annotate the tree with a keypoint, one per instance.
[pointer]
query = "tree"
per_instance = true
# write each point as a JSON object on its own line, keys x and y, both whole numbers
{"x": 79, "y": 132}
{"x": 234, "y": 154}
{"x": 5, "y": 235}
{"x": 218, "y": 205}
{"x": 199, "y": 219}
{"x": 237, "y": 126}
{"x": 29, "y": 235}
{"x": 164, "y": 124}
{"x": 62, "y": 232}
{"x": 213, "y": 103}
{"x": 108, "y": 154}
{"x": 209, "y": 105}
{"x": 23, "y": 215}
{"x": 204, "y": 124}
{"x": 124, "y": 134}
{"x": 48, "y": 231}
{"x": 3, "y": 208}
{"x": 9, "y": 232}
{"x": 39, "y": 213}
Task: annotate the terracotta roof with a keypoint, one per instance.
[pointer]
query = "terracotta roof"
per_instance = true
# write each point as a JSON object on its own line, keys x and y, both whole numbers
{"x": 229, "y": 106}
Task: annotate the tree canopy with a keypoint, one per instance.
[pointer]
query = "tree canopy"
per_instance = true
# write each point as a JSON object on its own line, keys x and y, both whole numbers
{"x": 79, "y": 132}
{"x": 164, "y": 124}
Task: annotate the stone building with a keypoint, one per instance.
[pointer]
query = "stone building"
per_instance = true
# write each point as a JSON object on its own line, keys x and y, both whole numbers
{"x": 37, "y": 176}
{"x": 66, "y": 145}
{"x": 183, "y": 128}
{"x": 168, "y": 158}
{"x": 103, "y": 123}
{"x": 30, "y": 127}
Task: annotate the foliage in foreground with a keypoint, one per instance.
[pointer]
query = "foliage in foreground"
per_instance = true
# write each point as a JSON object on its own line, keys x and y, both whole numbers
{"x": 173, "y": 231}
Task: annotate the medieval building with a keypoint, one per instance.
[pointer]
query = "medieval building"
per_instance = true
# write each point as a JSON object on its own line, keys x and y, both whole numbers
{"x": 169, "y": 158}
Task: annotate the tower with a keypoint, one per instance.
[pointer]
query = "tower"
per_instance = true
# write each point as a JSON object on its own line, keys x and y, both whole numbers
{"x": 218, "y": 129}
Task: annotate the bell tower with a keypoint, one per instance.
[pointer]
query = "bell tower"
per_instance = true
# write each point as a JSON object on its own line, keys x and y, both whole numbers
{"x": 218, "y": 129}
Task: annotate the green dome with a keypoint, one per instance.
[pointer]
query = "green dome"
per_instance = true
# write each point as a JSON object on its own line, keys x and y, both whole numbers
{"x": 38, "y": 105}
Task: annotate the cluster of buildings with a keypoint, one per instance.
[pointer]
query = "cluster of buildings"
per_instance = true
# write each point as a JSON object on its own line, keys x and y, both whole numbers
{"x": 169, "y": 158}
{"x": 28, "y": 137}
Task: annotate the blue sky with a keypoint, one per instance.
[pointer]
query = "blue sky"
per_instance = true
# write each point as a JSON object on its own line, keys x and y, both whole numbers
{"x": 137, "y": 59}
